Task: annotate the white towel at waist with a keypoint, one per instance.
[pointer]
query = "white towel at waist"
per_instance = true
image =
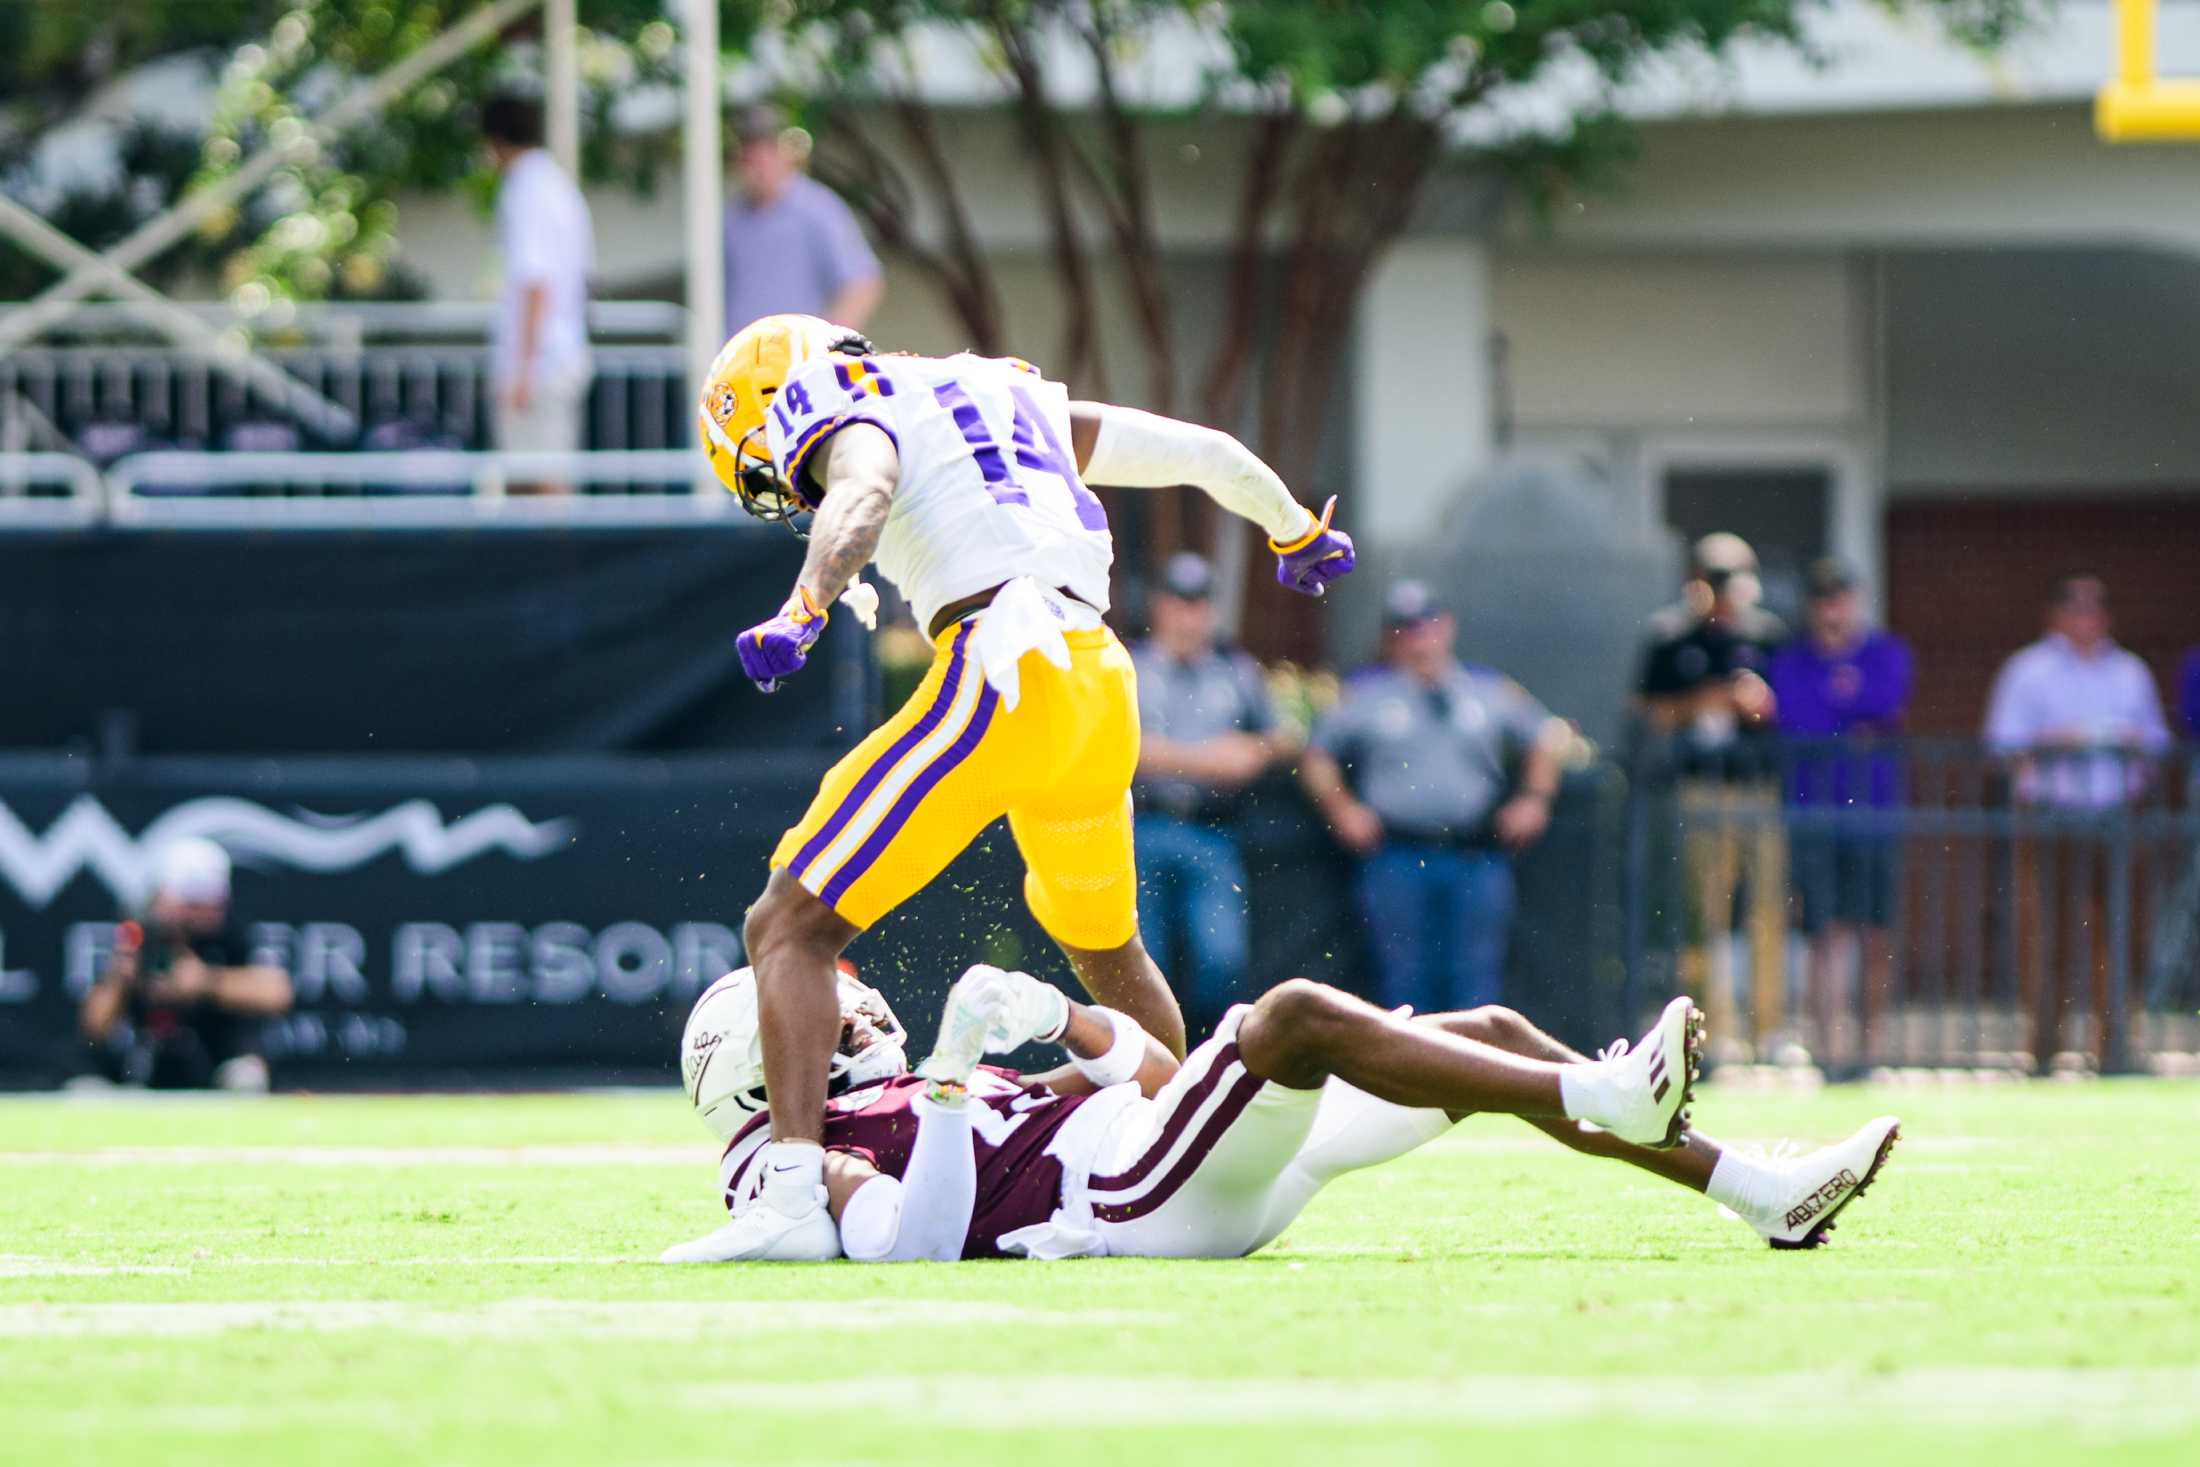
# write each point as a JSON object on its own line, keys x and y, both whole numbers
{"x": 1025, "y": 617}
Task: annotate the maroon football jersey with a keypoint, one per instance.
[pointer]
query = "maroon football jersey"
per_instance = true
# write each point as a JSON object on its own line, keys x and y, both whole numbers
{"x": 1019, "y": 1185}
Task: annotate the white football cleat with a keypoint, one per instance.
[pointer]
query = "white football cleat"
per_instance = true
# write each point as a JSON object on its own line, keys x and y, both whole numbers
{"x": 782, "y": 1224}
{"x": 1815, "y": 1187}
{"x": 1650, "y": 1086}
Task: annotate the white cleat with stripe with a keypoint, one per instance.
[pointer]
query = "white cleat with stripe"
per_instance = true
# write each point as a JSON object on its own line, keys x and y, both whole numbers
{"x": 1652, "y": 1083}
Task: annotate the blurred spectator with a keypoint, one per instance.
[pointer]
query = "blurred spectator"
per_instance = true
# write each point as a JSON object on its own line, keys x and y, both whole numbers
{"x": 2079, "y": 718}
{"x": 1843, "y": 680}
{"x": 1410, "y": 771}
{"x": 1206, "y": 732}
{"x": 181, "y": 1004}
{"x": 2188, "y": 696}
{"x": 791, "y": 244}
{"x": 2173, "y": 957}
{"x": 1706, "y": 705}
{"x": 539, "y": 357}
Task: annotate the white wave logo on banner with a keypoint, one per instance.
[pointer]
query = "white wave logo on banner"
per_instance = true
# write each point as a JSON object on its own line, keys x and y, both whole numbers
{"x": 87, "y": 838}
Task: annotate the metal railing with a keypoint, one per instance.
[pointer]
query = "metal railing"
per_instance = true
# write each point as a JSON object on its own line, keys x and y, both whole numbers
{"x": 416, "y": 488}
{"x": 1923, "y": 902}
{"x": 39, "y": 490}
{"x": 637, "y": 399}
{"x": 355, "y": 324}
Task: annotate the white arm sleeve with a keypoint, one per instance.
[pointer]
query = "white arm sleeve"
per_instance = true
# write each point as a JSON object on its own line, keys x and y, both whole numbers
{"x": 926, "y": 1213}
{"x": 1141, "y": 450}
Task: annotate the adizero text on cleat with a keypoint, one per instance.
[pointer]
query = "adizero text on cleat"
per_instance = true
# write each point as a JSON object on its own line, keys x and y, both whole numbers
{"x": 1817, "y": 1187}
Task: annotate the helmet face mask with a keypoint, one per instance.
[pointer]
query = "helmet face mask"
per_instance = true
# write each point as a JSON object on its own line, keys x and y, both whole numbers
{"x": 730, "y": 415}
{"x": 762, "y": 492}
{"x": 722, "y": 1050}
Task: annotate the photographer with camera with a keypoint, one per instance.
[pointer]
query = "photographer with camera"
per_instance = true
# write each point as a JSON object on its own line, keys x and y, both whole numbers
{"x": 181, "y": 1003}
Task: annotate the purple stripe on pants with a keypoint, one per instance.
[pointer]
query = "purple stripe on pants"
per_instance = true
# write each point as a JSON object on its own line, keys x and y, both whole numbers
{"x": 881, "y": 766}
{"x": 868, "y": 853}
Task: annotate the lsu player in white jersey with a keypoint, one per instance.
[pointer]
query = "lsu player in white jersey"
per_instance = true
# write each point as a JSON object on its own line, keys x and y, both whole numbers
{"x": 964, "y": 479}
{"x": 1130, "y": 1153}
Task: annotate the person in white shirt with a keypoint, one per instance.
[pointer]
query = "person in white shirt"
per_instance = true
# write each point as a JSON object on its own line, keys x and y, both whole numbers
{"x": 2080, "y": 719}
{"x": 539, "y": 360}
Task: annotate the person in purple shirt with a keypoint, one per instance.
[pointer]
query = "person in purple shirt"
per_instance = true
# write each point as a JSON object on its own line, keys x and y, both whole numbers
{"x": 1843, "y": 680}
{"x": 2188, "y": 695}
{"x": 792, "y": 245}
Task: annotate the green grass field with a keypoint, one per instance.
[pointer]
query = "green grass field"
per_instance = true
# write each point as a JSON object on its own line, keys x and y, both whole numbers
{"x": 465, "y": 1280}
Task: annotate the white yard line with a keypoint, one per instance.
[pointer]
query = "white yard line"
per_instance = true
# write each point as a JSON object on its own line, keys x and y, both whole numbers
{"x": 529, "y": 1318}
{"x": 577, "y": 1154}
{"x": 29, "y": 1266}
{"x": 2105, "y": 1402}
{"x": 26, "y": 1265}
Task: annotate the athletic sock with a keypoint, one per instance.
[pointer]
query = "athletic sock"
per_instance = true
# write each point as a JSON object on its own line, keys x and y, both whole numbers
{"x": 1741, "y": 1183}
{"x": 1585, "y": 1090}
{"x": 793, "y": 1170}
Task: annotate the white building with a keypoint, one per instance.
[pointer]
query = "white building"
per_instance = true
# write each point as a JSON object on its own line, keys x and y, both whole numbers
{"x": 1905, "y": 308}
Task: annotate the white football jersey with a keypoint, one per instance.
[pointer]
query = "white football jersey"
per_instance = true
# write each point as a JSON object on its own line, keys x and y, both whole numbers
{"x": 989, "y": 488}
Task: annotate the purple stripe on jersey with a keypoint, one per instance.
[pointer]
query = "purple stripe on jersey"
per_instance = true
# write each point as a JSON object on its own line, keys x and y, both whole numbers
{"x": 884, "y": 764}
{"x": 872, "y": 381}
{"x": 1233, "y": 1105}
{"x": 1090, "y": 513}
{"x": 867, "y": 854}
{"x": 822, "y": 431}
{"x": 1186, "y": 1107}
{"x": 991, "y": 466}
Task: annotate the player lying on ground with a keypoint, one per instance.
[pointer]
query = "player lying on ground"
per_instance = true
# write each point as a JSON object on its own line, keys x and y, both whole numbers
{"x": 963, "y": 478}
{"x": 1127, "y": 1152}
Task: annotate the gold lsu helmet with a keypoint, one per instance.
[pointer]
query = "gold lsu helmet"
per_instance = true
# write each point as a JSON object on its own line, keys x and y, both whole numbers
{"x": 748, "y": 371}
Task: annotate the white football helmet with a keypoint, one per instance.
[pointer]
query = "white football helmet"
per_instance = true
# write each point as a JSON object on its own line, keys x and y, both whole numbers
{"x": 722, "y": 1051}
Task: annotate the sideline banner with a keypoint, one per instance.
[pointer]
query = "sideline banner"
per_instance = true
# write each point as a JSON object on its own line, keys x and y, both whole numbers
{"x": 438, "y": 918}
{"x": 549, "y": 921}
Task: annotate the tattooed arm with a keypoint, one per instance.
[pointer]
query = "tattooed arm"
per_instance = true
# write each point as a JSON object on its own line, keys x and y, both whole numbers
{"x": 859, "y": 468}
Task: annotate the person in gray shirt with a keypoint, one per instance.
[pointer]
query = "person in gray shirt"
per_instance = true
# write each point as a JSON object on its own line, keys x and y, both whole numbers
{"x": 791, "y": 243}
{"x": 1206, "y": 731}
{"x": 1411, "y": 772}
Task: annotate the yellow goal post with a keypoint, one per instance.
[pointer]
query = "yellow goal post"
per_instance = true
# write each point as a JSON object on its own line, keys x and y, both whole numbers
{"x": 2135, "y": 105}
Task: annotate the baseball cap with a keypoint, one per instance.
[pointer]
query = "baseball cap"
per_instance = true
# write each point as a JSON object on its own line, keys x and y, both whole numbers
{"x": 192, "y": 869}
{"x": 1829, "y": 575}
{"x": 1188, "y": 577}
{"x": 1408, "y": 604}
{"x": 757, "y": 121}
{"x": 1722, "y": 553}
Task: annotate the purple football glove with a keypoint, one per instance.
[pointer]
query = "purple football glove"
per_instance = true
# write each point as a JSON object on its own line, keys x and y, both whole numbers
{"x": 777, "y": 648}
{"x": 1308, "y": 564}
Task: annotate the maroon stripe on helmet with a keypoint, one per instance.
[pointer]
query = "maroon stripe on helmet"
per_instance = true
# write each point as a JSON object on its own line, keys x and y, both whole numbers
{"x": 1233, "y": 1105}
{"x": 1187, "y": 1106}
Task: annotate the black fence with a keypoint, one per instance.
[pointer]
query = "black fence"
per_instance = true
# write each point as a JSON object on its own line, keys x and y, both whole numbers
{"x": 1923, "y": 902}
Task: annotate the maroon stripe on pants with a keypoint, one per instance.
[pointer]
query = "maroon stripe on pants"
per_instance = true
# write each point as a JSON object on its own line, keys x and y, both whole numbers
{"x": 1186, "y": 1107}
{"x": 1240, "y": 1096}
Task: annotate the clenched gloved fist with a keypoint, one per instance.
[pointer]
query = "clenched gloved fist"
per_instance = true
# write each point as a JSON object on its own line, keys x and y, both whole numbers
{"x": 1308, "y": 564}
{"x": 776, "y": 649}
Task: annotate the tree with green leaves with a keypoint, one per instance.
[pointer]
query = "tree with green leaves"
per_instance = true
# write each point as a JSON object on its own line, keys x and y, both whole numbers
{"x": 327, "y": 226}
{"x": 1350, "y": 109}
